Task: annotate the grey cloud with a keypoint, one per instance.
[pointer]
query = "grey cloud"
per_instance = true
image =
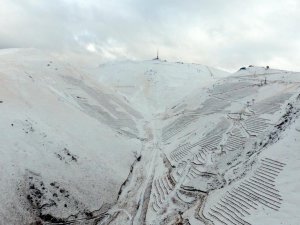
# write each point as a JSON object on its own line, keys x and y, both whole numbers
{"x": 226, "y": 34}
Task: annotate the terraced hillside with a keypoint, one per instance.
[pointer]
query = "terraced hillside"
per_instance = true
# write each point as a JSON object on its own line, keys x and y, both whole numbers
{"x": 150, "y": 142}
{"x": 216, "y": 158}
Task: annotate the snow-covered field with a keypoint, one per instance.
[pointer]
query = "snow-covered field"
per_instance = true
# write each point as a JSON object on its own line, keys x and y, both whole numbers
{"x": 150, "y": 142}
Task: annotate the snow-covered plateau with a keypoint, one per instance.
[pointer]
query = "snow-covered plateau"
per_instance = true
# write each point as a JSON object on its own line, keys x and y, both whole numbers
{"x": 147, "y": 142}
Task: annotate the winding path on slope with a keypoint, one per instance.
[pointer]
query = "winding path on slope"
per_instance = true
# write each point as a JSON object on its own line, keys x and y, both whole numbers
{"x": 133, "y": 204}
{"x": 152, "y": 156}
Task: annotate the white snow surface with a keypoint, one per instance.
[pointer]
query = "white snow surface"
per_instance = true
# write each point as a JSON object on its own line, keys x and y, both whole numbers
{"x": 153, "y": 84}
{"x": 149, "y": 142}
{"x": 53, "y": 132}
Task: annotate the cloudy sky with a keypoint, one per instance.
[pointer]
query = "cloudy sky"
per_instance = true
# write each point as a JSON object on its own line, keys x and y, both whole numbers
{"x": 222, "y": 33}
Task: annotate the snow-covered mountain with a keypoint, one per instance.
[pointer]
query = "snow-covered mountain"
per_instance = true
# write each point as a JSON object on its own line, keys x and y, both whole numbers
{"x": 151, "y": 85}
{"x": 148, "y": 142}
{"x": 67, "y": 145}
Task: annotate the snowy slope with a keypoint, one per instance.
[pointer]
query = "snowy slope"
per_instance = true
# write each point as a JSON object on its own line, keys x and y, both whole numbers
{"x": 66, "y": 144}
{"x": 225, "y": 154}
{"x": 153, "y": 84}
{"x": 149, "y": 142}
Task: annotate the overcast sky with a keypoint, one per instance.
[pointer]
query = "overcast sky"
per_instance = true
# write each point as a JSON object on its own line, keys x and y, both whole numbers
{"x": 222, "y": 33}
